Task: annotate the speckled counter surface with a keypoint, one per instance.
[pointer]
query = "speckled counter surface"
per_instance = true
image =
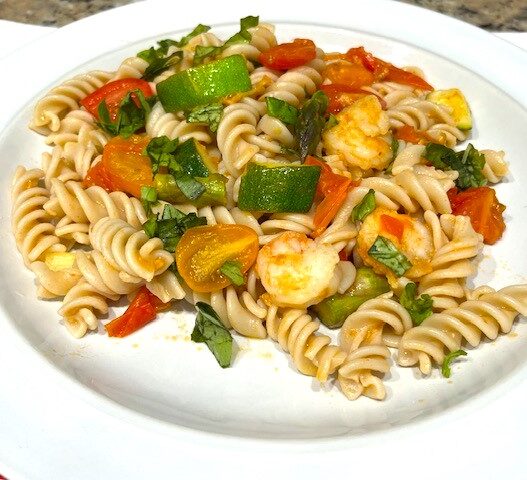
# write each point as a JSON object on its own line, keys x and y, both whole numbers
{"x": 505, "y": 15}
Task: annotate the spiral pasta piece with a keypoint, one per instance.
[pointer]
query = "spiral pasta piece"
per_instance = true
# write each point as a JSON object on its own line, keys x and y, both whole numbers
{"x": 379, "y": 321}
{"x": 444, "y": 332}
{"x": 495, "y": 166}
{"x": 88, "y": 205}
{"x": 54, "y": 284}
{"x": 79, "y": 307}
{"x": 356, "y": 375}
{"x": 456, "y": 245}
{"x": 166, "y": 287}
{"x": 311, "y": 352}
{"x": 262, "y": 39}
{"x": 65, "y": 97}
{"x": 131, "y": 67}
{"x": 283, "y": 222}
{"x": 56, "y": 165}
{"x": 34, "y": 234}
{"x": 129, "y": 250}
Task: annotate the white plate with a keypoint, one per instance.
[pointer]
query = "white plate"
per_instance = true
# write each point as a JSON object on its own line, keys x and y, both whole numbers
{"x": 158, "y": 390}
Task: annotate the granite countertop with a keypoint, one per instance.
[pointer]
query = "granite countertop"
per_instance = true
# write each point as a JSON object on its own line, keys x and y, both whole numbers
{"x": 504, "y": 15}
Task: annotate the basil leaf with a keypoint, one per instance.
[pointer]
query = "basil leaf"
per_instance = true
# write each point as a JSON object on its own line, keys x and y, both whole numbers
{"x": 331, "y": 122}
{"x": 171, "y": 225}
{"x": 419, "y": 308}
{"x": 210, "y": 330}
{"x": 288, "y": 151}
{"x": 232, "y": 269}
{"x": 210, "y": 114}
{"x": 311, "y": 123}
{"x": 161, "y": 150}
{"x": 165, "y": 44}
{"x": 285, "y": 112}
{"x": 201, "y": 53}
{"x": 394, "y": 147}
{"x": 160, "y": 64}
{"x": 148, "y": 198}
{"x": 445, "y": 368}
{"x": 468, "y": 163}
{"x": 130, "y": 116}
{"x": 243, "y": 36}
{"x": 189, "y": 186}
{"x": 365, "y": 207}
{"x": 385, "y": 252}
{"x": 249, "y": 22}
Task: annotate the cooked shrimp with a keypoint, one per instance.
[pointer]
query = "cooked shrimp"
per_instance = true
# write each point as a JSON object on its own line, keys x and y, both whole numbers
{"x": 358, "y": 137}
{"x": 297, "y": 272}
{"x": 410, "y": 236}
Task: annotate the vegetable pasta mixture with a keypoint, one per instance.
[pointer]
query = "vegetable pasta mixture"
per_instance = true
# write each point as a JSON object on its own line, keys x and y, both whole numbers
{"x": 277, "y": 188}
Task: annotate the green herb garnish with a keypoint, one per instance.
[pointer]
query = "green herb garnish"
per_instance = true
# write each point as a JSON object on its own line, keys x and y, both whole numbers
{"x": 385, "y": 252}
{"x": 209, "y": 114}
{"x": 331, "y": 122}
{"x": 445, "y": 368}
{"x": 148, "y": 198}
{"x": 285, "y": 112}
{"x": 210, "y": 330}
{"x": 130, "y": 116}
{"x": 171, "y": 225}
{"x": 419, "y": 308}
{"x": 468, "y": 163}
{"x": 365, "y": 207}
{"x": 243, "y": 36}
{"x": 161, "y": 150}
{"x": 232, "y": 269}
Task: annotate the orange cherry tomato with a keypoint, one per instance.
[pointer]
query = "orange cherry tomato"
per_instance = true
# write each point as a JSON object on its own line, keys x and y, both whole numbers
{"x": 202, "y": 251}
{"x": 289, "y": 55}
{"x": 142, "y": 310}
{"x": 483, "y": 208}
{"x": 333, "y": 189}
{"x": 340, "y": 96}
{"x": 123, "y": 166}
{"x": 349, "y": 74}
{"x": 410, "y": 134}
{"x": 393, "y": 226}
{"x": 113, "y": 93}
{"x": 97, "y": 176}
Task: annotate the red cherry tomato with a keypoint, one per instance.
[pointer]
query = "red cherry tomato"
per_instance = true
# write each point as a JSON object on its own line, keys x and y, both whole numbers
{"x": 113, "y": 93}
{"x": 289, "y": 55}
{"x": 483, "y": 208}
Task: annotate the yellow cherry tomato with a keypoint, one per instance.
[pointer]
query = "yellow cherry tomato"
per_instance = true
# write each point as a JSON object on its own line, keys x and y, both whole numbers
{"x": 202, "y": 251}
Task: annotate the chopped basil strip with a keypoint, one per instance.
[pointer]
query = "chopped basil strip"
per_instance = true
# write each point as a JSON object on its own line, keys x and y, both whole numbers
{"x": 468, "y": 163}
{"x": 365, "y": 207}
{"x": 243, "y": 36}
{"x": 419, "y": 308}
{"x": 209, "y": 114}
{"x": 158, "y": 62}
{"x": 445, "y": 369}
{"x": 210, "y": 330}
{"x": 171, "y": 225}
{"x": 285, "y": 112}
{"x": 310, "y": 123}
{"x": 331, "y": 122}
{"x": 232, "y": 269}
{"x": 165, "y": 44}
{"x": 385, "y": 252}
{"x": 130, "y": 116}
{"x": 394, "y": 147}
{"x": 161, "y": 151}
{"x": 148, "y": 198}
{"x": 288, "y": 151}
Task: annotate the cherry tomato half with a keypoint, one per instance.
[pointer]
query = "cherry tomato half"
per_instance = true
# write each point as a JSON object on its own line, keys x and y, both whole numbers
{"x": 202, "y": 251}
{"x": 340, "y": 96}
{"x": 289, "y": 55}
{"x": 113, "y": 93}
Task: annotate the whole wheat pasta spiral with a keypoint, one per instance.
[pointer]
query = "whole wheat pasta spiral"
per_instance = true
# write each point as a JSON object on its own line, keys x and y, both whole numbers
{"x": 34, "y": 234}
{"x": 89, "y": 205}
{"x": 65, "y": 97}
{"x": 131, "y": 67}
{"x": 129, "y": 250}
{"x": 56, "y": 165}
{"x": 262, "y": 39}
{"x": 444, "y": 332}
{"x": 53, "y": 284}
{"x": 379, "y": 321}
{"x": 79, "y": 307}
{"x": 495, "y": 166}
